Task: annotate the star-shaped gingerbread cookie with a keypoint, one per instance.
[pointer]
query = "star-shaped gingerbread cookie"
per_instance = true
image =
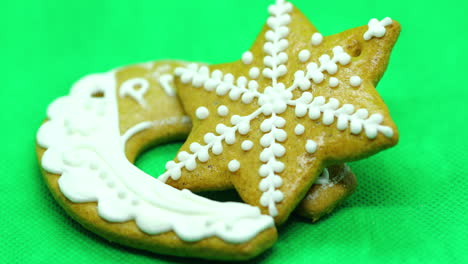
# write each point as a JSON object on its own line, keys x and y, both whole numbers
{"x": 295, "y": 103}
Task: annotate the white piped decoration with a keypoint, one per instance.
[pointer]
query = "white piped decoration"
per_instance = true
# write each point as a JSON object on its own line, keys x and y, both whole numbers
{"x": 246, "y": 145}
{"x": 223, "y": 110}
{"x": 333, "y": 82}
{"x": 377, "y": 28}
{"x": 233, "y": 165}
{"x": 247, "y": 57}
{"x": 345, "y": 116}
{"x": 304, "y": 55}
{"x": 135, "y": 88}
{"x": 254, "y": 72}
{"x": 274, "y": 101}
{"x": 202, "y": 113}
{"x": 221, "y": 84}
{"x": 166, "y": 81}
{"x": 355, "y": 81}
{"x": 299, "y": 129}
{"x": 316, "y": 39}
{"x": 92, "y": 167}
{"x": 311, "y": 146}
{"x": 324, "y": 177}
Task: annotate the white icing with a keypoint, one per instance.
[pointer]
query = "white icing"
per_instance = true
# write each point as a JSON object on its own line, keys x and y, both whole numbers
{"x": 355, "y": 81}
{"x": 247, "y": 57}
{"x": 276, "y": 42}
{"x": 148, "y": 124}
{"x": 140, "y": 127}
{"x": 164, "y": 68}
{"x": 84, "y": 146}
{"x": 311, "y": 146}
{"x": 254, "y": 72}
{"x": 147, "y": 65}
{"x": 324, "y": 177}
{"x": 325, "y": 181}
{"x": 221, "y": 83}
{"x": 299, "y": 129}
{"x": 135, "y": 88}
{"x": 202, "y": 113}
{"x": 346, "y": 115}
{"x": 304, "y": 55}
{"x": 165, "y": 81}
{"x": 316, "y": 39}
{"x": 246, "y": 145}
{"x": 223, "y": 110}
{"x": 272, "y": 102}
{"x": 333, "y": 82}
{"x": 233, "y": 165}
{"x": 376, "y": 28}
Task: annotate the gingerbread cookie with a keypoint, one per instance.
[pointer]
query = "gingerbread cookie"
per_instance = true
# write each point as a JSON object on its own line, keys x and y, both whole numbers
{"x": 82, "y": 152}
{"x": 295, "y": 103}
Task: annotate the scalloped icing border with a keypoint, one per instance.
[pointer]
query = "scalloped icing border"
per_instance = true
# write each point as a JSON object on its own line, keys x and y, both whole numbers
{"x": 85, "y": 147}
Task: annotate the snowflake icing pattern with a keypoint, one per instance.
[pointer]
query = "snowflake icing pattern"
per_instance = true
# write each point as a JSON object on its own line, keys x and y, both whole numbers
{"x": 273, "y": 101}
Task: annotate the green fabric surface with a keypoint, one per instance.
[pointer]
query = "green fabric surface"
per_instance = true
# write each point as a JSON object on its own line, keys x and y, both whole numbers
{"x": 411, "y": 202}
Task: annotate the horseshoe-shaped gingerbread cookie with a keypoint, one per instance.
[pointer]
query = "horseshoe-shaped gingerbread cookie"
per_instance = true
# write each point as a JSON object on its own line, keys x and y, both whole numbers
{"x": 81, "y": 148}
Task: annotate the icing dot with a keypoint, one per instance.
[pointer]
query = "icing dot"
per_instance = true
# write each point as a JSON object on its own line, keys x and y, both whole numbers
{"x": 135, "y": 202}
{"x": 304, "y": 55}
{"x": 223, "y": 110}
{"x": 254, "y": 73}
{"x": 209, "y": 223}
{"x": 299, "y": 129}
{"x": 311, "y": 146}
{"x": 111, "y": 184}
{"x": 280, "y": 135}
{"x": 202, "y": 112}
{"x": 94, "y": 165}
{"x": 229, "y": 226}
{"x": 333, "y": 82}
{"x": 247, "y": 57}
{"x": 103, "y": 175}
{"x": 233, "y": 165}
{"x": 217, "y": 148}
{"x": 355, "y": 81}
{"x": 253, "y": 85}
{"x": 316, "y": 39}
{"x": 121, "y": 195}
{"x": 246, "y": 145}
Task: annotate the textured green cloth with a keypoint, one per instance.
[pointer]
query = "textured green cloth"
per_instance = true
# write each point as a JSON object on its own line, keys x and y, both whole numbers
{"x": 411, "y": 203}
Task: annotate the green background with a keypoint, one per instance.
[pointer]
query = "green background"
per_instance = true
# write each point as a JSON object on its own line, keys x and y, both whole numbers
{"x": 411, "y": 203}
